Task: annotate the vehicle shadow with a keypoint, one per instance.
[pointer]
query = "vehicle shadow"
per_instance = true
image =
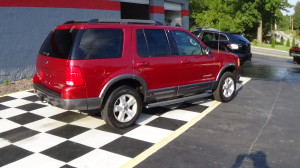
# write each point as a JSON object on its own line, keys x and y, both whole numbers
{"x": 258, "y": 158}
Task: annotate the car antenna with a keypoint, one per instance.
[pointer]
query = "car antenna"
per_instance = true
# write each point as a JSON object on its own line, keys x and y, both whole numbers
{"x": 219, "y": 38}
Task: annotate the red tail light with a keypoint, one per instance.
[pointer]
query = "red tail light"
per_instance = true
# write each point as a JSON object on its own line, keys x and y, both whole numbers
{"x": 35, "y": 78}
{"x": 74, "y": 76}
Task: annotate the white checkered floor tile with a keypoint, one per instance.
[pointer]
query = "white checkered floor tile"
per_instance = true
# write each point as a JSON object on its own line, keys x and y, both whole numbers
{"x": 33, "y": 133}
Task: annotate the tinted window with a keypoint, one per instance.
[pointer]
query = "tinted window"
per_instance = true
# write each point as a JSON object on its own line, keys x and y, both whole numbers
{"x": 186, "y": 44}
{"x": 221, "y": 37}
{"x": 198, "y": 34}
{"x": 58, "y": 44}
{"x": 101, "y": 43}
{"x": 157, "y": 42}
{"x": 239, "y": 38}
{"x": 142, "y": 46}
{"x": 207, "y": 36}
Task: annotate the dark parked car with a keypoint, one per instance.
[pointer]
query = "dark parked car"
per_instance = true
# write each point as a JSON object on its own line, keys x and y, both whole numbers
{"x": 230, "y": 42}
{"x": 121, "y": 68}
{"x": 295, "y": 53}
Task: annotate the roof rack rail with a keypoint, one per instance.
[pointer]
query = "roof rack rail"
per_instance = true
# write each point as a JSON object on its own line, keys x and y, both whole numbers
{"x": 93, "y": 21}
{"x": 126, "y": 21}
{"x": 121, "y": 21}
{"x": 77, "y": 21}
{"x": 211, "y": 29}
{"x": 129, "y": 21}
{"x": 73, "y": 21}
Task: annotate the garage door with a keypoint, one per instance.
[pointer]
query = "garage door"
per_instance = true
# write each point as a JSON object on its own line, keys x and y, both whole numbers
{"x": 136, "y": 1}
{"x": 172, "y": 6}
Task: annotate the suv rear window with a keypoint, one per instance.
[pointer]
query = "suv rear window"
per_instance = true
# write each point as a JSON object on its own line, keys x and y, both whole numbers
{"x": 59, "y": 43}
{"x": 239, "y": 38}
{"x": 100, "y": 43}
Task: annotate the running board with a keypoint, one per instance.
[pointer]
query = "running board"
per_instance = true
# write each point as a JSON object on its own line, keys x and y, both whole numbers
{"x": 179, "y": 100}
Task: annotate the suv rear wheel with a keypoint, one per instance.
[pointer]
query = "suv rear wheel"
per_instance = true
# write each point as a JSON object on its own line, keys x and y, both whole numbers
{"x": 123, "y": 107}
{"x": 226, "y": 88}
{"x": 296, "y": 60}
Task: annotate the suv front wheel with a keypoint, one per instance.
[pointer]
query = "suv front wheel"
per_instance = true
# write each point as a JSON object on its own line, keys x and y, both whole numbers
{"x": 226, "y": 88}
{"x": 123, "y": 107}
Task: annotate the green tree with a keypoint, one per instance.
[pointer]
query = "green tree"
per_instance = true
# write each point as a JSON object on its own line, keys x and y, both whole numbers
{"x": 195, "y": 7}
{"x": 242, "y": 16}
{"x": 283, "y": 22}
{"x": 296, "y": 16}
{"x": 270, "y": 12}
{"x": 227, "y": 15}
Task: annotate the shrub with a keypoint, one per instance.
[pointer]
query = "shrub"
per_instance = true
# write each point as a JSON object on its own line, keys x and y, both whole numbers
{"x": 5, "y": 82}
{"x": 281, "y": 41}
{"x": 294, "y": 42}
{"x": 255, "y": 41}
{"x": 273, "y": 42}
{"x": 288, "y": 43}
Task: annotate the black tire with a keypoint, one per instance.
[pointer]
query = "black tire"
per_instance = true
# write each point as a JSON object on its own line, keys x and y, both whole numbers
{"x": 226, "y": 89}
{"x": 296, "y": 60}
{"x": 116, "y": 113}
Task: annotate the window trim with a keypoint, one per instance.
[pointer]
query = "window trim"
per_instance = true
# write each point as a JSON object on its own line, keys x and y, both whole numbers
{"x": 217, "y": 34}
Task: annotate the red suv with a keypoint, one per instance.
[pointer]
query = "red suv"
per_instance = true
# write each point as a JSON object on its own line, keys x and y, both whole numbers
{"x": 121, "y": 67}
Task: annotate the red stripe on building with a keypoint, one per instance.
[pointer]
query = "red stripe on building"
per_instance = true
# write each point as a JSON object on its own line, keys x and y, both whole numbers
{"x": 79, "y": 4}
{"x": 157, "y": 9}
{"x": 185, "y": 13}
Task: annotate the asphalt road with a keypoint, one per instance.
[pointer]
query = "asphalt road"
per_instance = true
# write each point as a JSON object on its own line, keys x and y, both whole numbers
{"x": 259, "y": 128}
{"x": 269, "y": 52}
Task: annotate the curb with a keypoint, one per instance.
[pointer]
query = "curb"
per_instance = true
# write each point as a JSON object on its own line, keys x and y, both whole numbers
{"x": 270, "y": 55}
{"x": 269, "y": 49}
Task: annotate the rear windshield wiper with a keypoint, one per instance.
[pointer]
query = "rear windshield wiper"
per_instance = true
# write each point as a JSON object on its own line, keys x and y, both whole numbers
{"x": 45, "y": 53}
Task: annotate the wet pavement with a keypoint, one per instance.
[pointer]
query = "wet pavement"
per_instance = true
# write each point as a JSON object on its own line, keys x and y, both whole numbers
{"x": 274, "y": 69}
{"x": 258, "y": 129}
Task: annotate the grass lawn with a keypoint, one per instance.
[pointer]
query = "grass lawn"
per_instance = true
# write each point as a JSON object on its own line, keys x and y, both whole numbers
{"x": 277, "y": 47}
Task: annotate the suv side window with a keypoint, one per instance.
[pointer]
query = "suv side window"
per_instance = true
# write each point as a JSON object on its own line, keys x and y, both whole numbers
{"x": 208, "y": 36}
{"x": 186, "y": 44}
{"x": 152, "y": 43}
{"x": 101, "y": 43}
{"x": 221, "y": 37}
{"x": 142, "y": 45}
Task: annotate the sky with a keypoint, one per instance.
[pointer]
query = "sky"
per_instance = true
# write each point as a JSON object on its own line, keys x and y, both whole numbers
{"x": 291, "y": 10}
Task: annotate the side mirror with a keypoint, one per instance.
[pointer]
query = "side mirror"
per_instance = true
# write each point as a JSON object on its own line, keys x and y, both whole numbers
{"x": 206, "y": 51}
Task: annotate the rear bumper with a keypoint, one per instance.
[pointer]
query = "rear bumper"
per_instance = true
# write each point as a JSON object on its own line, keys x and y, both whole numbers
{"x": 244, "y": 56}
{"x": 54, "y": 98}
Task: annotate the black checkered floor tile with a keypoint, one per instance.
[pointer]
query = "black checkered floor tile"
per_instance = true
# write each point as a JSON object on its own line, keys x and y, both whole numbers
{"x": 34, "y": 134}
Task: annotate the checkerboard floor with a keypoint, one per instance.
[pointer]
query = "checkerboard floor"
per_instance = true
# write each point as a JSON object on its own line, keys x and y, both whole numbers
{"x": 34, "y": 134}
